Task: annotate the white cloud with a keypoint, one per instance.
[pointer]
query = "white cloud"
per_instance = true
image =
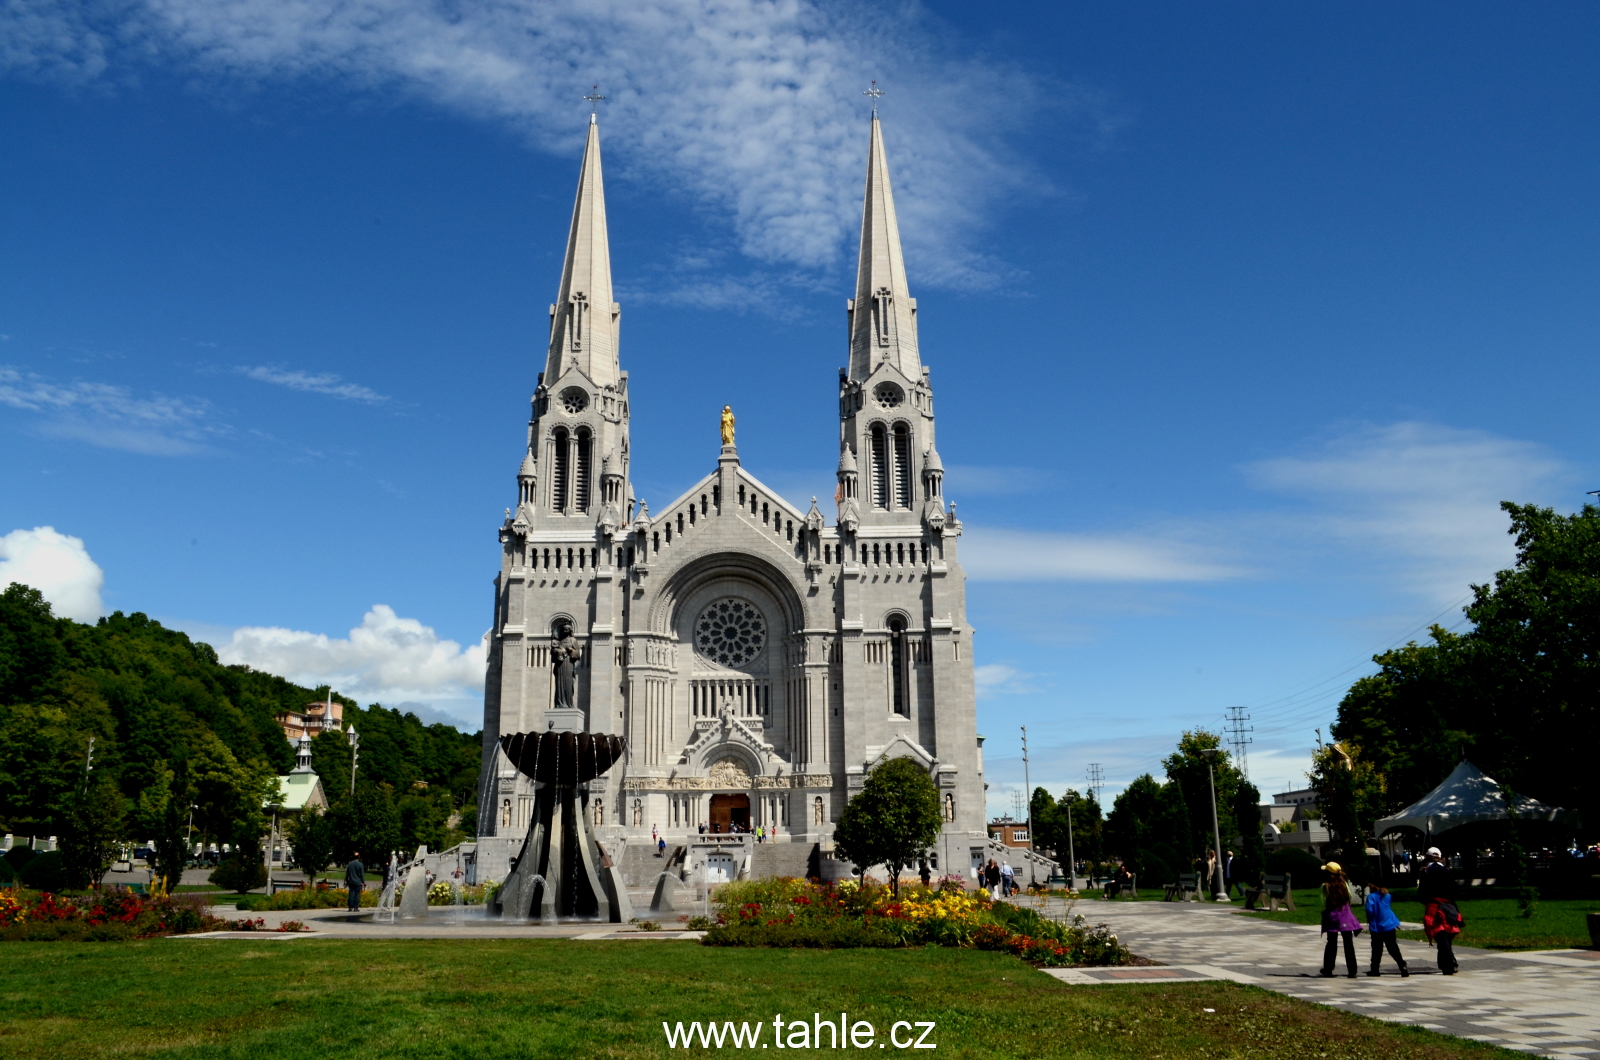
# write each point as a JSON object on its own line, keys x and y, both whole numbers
{"x": 1000, "y": 679}
{"x": 325, "y": 383}
{"x": 751, "y": 109}
{"x": 111, "y": 416}
{"x": 58, "y": 566}
{"x": 1424, "y": 496}
{"x": 387, "y": 658}
{"x": 989, "y": 554}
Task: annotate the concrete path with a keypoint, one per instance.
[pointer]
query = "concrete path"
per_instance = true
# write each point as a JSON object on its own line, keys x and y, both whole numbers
{"x": 1545, "y": 1002}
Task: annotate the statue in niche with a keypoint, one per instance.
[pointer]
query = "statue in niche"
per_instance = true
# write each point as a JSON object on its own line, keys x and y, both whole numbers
{"x": 816, "y": 810}
{"x": 564, "y": 656}
{"x": 727, "y": 425}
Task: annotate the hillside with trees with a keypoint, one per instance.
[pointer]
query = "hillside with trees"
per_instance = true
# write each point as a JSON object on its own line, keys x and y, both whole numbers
{"x": 176, "y": 732}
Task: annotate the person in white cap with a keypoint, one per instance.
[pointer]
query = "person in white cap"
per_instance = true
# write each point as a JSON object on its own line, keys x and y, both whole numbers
{"x": 1436, "y": 890}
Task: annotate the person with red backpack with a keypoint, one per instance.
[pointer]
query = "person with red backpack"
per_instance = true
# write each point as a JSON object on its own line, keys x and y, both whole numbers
{"x": 1441, "y": 919}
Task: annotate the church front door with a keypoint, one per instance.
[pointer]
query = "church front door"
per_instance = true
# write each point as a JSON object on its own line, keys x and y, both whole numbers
{"x": 730, "y": 813}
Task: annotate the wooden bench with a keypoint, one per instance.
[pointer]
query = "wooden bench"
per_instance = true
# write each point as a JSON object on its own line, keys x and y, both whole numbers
{"x": 1187, "y": 889}
{"x": 1275, "y": 889}
{"x": 1129, "y": 891}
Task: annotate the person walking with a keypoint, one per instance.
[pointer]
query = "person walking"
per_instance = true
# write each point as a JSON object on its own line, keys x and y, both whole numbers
{"x": 991, "y": 876}
{"x": 355, "y": 879}
{"x": 1383, "y": 924}
{"x": 1441, "y": 919}
{"x": 925, "y": 873}
{"x": 1008, "y": 880}
{"x": 1338, "y": 922}
{"x": 1228, "y": 881}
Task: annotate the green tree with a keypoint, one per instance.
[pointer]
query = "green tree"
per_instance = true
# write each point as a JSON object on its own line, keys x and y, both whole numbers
{"x": 93, "y": 829}
{"x": 1187, "y": 767}
{"x": 1350, "y": 797}
{"x": 1130, "y": 826}
{"x": 366, "y": 824}
{"x": 1516, "y": 692}
{"x": 311, "y": 835}
{"x": 892, "y": 821}
{"x": 1050, "y": 817}
{"x": 1251, "y": 854}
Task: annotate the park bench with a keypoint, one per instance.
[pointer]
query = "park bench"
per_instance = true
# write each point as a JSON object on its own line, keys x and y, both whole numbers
{"x": 1275, "y": 889}
{"x": 1129, "y": 891}
{"x": 1187, "y": 889}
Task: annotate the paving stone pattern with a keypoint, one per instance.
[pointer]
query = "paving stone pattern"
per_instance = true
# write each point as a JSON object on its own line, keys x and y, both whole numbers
{"x": 1543, "y": 1002}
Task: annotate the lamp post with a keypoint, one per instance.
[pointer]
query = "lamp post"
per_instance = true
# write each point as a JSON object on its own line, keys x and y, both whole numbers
{"x": 1218, "y": 888}
{"x": 1027, "y": 795}
{"x": 355, "y": 755}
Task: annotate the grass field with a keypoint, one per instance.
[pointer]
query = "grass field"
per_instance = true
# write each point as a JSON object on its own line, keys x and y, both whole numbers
{"x": 482, "y": 999}
{"x": 1492, "y": 923}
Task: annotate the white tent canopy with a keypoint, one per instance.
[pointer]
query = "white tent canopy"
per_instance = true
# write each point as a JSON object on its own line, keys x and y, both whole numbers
{"x": 1467, "y": 796}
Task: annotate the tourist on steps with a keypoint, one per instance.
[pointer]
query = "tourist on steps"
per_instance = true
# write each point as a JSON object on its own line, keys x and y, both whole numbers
{"x": 1338, "y": 922}
{"x": 1383, "y": 925}
{"x": 1436, "y": 890}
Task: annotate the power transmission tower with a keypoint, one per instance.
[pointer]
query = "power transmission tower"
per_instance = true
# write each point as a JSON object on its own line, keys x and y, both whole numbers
{"x": 1237, "y": 729}
{"x": 1096, "y": 780}
{"x": 1016, "y": 805}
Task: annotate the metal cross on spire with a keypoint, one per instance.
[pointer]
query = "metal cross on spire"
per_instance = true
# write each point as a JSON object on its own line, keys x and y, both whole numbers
{"x": 873, "y": 93}
{"x": 595, "y": 98}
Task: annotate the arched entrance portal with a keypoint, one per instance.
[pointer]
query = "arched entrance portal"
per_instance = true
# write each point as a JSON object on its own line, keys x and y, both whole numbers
{"x": 729, "y": 812}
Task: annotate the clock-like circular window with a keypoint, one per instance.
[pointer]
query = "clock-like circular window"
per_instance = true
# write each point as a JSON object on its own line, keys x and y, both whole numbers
{"x": 730, "y": 632}
{"x": 574, "y": 400}
{"x": 888, "y": 395}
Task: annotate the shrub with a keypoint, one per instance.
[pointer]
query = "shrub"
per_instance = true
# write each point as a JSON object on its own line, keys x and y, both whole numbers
{"x": 1304, "y": 869}
{"x": 849, "y": 934}
{"x": 239, "y": 875}
{"x": 45, "y": 871}
{"x": 110, "y": 915}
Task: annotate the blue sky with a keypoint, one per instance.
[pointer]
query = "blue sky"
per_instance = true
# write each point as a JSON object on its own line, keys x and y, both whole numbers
{"x": 1242, "y": 320}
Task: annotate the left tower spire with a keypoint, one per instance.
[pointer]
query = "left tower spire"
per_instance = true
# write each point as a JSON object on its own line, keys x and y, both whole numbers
{"x": 584, "y": 319}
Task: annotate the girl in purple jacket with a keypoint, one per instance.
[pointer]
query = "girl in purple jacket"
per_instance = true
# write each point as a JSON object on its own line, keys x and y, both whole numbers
{"x": 1338, "y": 922}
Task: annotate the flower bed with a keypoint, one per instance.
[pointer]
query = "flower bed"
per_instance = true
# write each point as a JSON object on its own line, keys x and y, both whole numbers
{"x": 112, "y": 914}
{"x": 790, "y": 912}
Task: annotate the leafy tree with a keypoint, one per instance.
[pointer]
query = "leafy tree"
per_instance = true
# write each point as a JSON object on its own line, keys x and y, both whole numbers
{"x": 46, "y": 872}
{"x": 1130, "y": 826}
{"x": 1251, "y": 854}
{"x": 1188, "y": 768}
{"x": 241, "y": 871}
{"x": 1050, "y": 817}
{"x": 892, "y": 821}
{"x": 89, "y": 845}
{"x": 313, "y": 840}
{"x": 1516, "y": 693}
{"x": 1350, "y": 797}
{"x": 366, "y": 824}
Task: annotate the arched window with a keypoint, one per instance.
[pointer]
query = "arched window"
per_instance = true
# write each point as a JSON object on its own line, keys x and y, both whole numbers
{"x": 897, "y": 665}
{"x": 902, "y": 465}
{"x": 880, "y": 467}
{"x": 580, "y": 482}
{"x": 561, "y": 477}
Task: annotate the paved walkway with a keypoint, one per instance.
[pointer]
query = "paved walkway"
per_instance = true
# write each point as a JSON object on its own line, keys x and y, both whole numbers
{"x": 1545, "y": 1002}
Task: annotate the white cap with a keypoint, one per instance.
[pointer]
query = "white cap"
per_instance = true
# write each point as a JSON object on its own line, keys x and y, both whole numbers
{"x": 1433, "y": 852}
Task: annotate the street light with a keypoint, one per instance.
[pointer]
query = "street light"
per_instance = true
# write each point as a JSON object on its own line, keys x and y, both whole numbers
{"x": 355, "y": 755}
{"x": 1217, "y": 887}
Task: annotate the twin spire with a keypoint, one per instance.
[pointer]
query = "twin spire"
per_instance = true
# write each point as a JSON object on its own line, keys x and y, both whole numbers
{"x": 583, "y": 320}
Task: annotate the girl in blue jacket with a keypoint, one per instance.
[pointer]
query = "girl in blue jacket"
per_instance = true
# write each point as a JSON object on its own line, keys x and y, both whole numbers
{"x": 1382, "y": 925}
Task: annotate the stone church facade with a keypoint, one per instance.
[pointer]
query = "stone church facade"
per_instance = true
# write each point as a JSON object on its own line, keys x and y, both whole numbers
{"x": 759, "y": 657}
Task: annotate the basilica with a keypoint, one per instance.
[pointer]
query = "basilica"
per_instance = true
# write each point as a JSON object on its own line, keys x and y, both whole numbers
{"x": 757, "y": 656}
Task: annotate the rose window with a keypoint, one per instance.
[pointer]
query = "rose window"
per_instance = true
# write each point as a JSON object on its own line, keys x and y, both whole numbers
{"x": 888, "y": 395}
{"x": 574, "y": 400}
{"x": 730, "y": 632}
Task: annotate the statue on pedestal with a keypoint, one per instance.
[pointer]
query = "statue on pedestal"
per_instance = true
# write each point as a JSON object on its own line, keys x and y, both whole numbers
{"x": 727, "y": 425}
{"x": 564, "y": 656}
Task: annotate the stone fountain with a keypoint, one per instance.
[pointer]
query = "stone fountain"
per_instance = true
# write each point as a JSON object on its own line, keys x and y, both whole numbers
{"x": 562, "y": 871}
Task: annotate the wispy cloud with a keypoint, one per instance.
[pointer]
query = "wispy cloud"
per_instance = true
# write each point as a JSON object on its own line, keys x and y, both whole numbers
{"x": 112, "y": 416}
{"x": 1000, "y": 679}
{"x": 1419, "y": 500}
{"x": 323, "y": 383}
{"x": 749, "y": 109}
{"x": 989, "y": 554}
{"x": 973, "y": 480}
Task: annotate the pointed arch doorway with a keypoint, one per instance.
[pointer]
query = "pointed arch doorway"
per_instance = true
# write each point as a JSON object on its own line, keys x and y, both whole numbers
{"x": 728, "y": 811}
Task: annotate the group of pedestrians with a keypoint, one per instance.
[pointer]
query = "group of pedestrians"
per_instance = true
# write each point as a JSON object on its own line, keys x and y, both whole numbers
{"x": 1441, "y": 919}
{"x": 1000, "y": 879}
{"x": 762, "y": 832}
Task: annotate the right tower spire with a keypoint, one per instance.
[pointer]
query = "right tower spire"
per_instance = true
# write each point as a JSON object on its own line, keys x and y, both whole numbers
{"x": 883, "y": 315}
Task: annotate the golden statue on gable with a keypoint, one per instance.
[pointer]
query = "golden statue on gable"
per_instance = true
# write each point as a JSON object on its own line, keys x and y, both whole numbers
{"x": 727, "y": 425}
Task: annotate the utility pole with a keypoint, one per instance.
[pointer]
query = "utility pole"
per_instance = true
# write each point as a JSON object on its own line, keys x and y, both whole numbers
{"x": 1027, "y": 790}
{"x": 1217, "y": 886}
{"x": 1236, "y": 736}
{"x": 355, "y": 755}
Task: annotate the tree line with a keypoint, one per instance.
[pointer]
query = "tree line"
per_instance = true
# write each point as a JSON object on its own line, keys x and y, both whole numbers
{"x": 187, "y": 749}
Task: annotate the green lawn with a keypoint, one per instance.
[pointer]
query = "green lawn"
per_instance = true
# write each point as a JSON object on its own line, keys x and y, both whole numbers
{"x": 1492, "y": 923}
{"x": 482, "y": 999}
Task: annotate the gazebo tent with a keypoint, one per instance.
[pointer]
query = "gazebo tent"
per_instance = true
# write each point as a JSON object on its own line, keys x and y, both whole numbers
{"x": 1467, "y": 796}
